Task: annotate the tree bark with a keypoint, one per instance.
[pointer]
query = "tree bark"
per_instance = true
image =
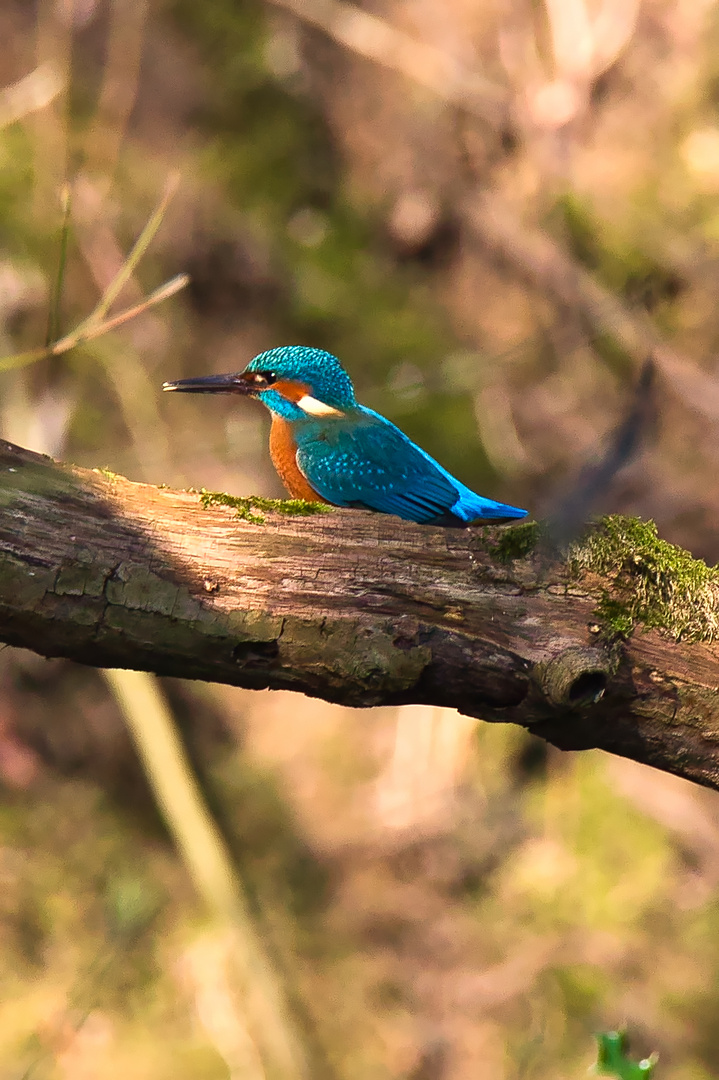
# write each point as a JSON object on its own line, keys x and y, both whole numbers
{"x": 354, "y": 607}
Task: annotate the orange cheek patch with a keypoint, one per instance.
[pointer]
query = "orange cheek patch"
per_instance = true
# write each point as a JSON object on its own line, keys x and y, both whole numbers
{"x": 291, "y": 391}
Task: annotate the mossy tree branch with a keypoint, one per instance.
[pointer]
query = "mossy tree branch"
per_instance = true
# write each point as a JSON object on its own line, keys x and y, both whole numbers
{"x": 363, "y": 609}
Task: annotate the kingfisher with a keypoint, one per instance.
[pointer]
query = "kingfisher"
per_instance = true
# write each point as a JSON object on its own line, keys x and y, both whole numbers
{"x": 326, "y": 447}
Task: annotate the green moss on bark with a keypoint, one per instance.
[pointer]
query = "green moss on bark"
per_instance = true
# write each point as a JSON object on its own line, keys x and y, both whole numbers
{"x": 108, "y": 474}
{"x": 517, "y": 541}
{"x": 250, "y": 507}
{"x": 653, "y": 583}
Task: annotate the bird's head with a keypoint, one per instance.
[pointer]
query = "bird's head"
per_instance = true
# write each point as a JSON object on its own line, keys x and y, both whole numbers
{"x": 294, "y": 382}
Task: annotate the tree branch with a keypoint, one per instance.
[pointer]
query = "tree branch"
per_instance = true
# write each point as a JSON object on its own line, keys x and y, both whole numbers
{"x": 358, "y": 608}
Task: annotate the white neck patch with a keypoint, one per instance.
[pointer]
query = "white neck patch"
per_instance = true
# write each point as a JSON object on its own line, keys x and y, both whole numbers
{"x": 314, "y": 407}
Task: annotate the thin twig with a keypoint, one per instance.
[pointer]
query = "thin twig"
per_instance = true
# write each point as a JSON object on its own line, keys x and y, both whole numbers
{"x": 80, "y": 336}
{"x": 88, "y": 330}
{"x": 538, "y": 258}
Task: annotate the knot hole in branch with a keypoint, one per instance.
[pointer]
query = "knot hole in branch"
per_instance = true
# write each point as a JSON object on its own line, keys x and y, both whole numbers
{"x": 577, "y": 677}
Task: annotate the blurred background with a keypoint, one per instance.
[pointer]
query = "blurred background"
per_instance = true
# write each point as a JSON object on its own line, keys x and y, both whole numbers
{"x": 492, "y": 212}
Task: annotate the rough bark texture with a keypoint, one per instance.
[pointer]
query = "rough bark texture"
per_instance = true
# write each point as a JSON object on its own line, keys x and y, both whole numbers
{"x": 354, "y": 607}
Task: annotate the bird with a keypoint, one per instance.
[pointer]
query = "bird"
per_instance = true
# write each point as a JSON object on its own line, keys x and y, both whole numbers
{"x": 326, "y": 447}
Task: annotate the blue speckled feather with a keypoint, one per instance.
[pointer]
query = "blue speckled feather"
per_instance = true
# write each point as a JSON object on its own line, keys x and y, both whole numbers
{"x": 364, "y": 460}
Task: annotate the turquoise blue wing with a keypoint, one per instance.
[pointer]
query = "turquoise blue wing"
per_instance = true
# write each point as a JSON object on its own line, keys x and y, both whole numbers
{"x": 370, "y": 463}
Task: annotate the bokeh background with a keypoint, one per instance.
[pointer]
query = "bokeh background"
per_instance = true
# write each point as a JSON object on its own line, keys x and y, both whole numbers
{"x": 492, "y": 211}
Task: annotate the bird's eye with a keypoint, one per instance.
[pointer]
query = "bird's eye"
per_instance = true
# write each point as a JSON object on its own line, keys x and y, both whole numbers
{"x": 261, "y": 378}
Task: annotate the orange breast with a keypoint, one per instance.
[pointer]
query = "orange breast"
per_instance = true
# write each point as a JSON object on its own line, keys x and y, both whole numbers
{"x": 284, "y": 458}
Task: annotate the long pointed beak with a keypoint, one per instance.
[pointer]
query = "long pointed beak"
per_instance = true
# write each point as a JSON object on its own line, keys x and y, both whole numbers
{"x": 234, "y": 383}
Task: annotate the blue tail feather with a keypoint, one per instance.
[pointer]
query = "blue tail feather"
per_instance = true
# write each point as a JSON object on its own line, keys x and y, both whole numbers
{"x": 472, "y": 507}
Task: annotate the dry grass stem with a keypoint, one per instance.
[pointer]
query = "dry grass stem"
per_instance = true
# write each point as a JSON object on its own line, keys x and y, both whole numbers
{"x": 377, "y": 40}
{"x": 33, "y": 92}
{"x": 130, "y": 264}
{"x": 121, "y": 77}
{"x": 152, "y": 726}
{"x": 53, "y": 321}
